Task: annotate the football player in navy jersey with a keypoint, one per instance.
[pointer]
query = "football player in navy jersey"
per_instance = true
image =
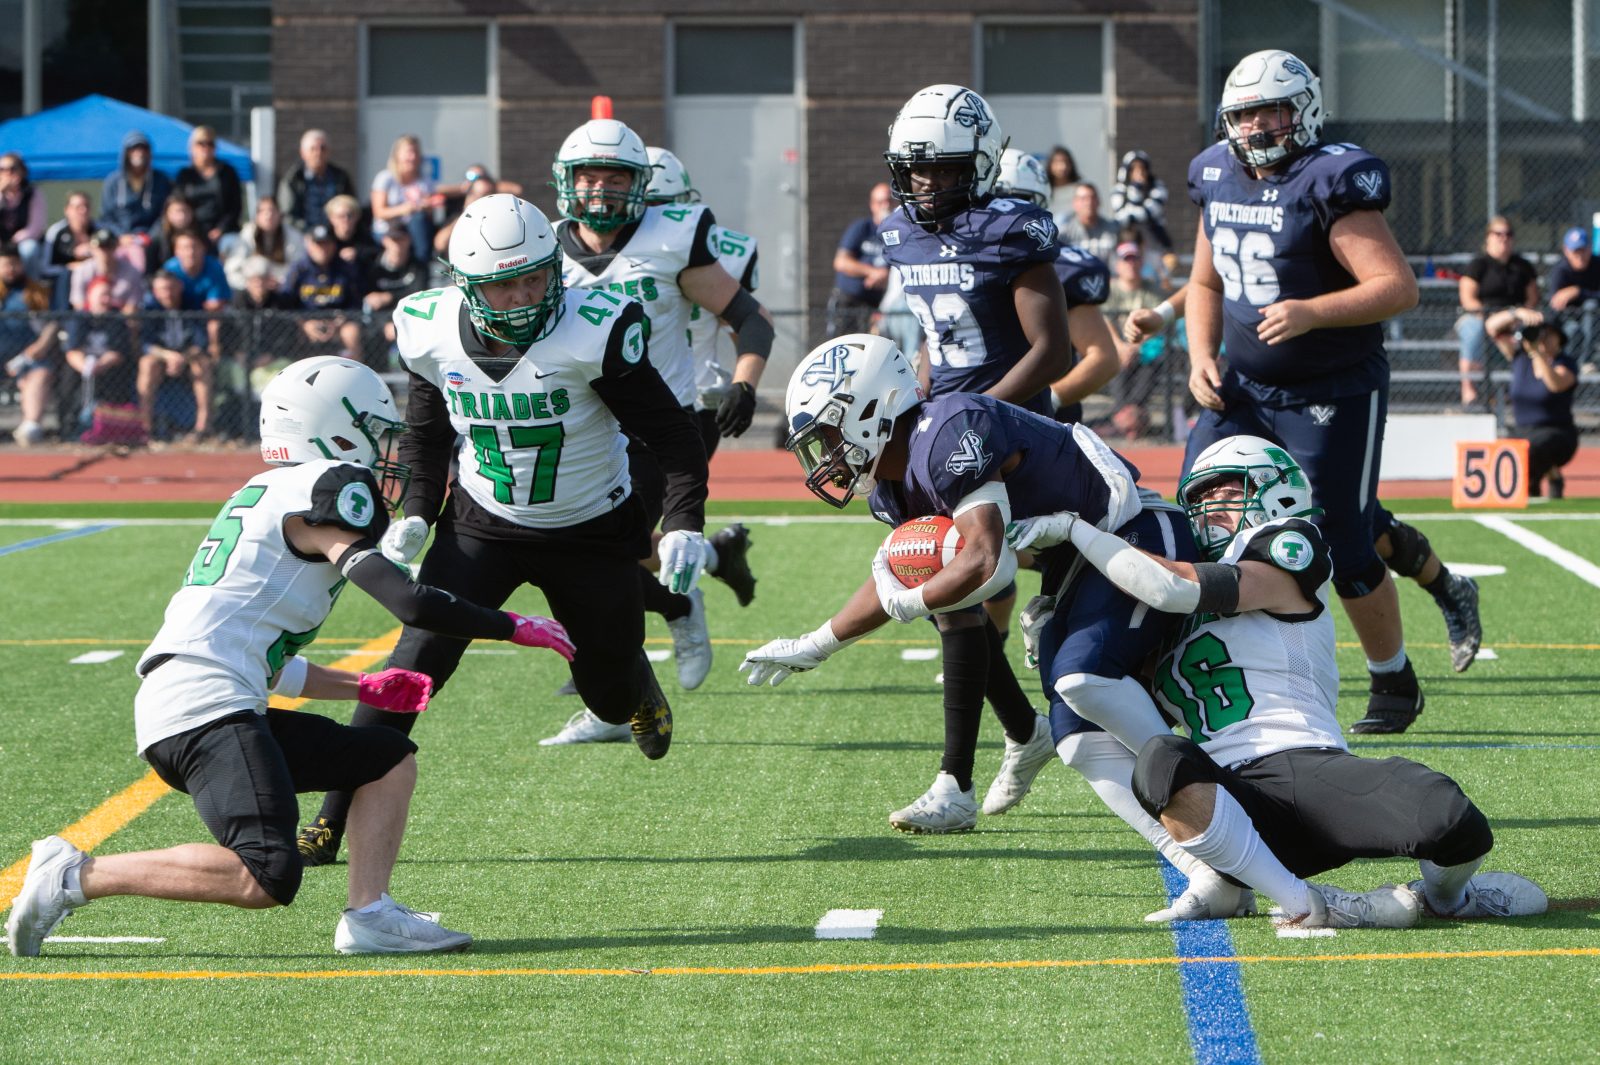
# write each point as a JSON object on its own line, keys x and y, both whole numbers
{"x": 1294, "y": 270}
{"x": 856, "y": 415}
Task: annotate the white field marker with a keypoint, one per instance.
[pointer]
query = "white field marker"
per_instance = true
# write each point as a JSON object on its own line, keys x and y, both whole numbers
{"x": 1486, "y": 654}
{"x": 1306, "y": 933}
{"x": 658, "y": 654}
{"x": 919, "y": 654}
{"x": 94, "y": 658}
{"x": 1476, "y": 569}
{"x": 849, "y": 924}
{"x": 105, "y": 939}
{"x": 1576, "y": 565}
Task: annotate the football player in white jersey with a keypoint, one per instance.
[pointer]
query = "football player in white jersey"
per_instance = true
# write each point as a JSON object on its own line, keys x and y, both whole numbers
{"x": 260, "y": 586}
{"x": 1263, "y": 788}
{"x": 536, "y": 388}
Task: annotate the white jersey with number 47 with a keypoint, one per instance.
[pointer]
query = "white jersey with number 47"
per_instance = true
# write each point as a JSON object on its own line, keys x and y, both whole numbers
{"x": 538, "y": 447}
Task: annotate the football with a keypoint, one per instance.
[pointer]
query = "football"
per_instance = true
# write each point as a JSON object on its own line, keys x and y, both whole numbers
{"x": 922, "y": 547}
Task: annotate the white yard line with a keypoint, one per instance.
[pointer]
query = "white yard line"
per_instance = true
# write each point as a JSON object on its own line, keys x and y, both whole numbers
{"x": 1576, "y": 565}
{"x": 919, "y": 654}
{"x": 94, "y": 658}
{"x": 849, "y": 924}
{"x": 105, "y": 939}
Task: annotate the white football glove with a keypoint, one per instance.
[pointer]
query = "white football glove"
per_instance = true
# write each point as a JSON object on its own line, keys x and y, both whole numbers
{"x": 899, "y": 602}
{"x": 1046, "y": 530}
{"x": 683, "y": 557}
{"x": 1040, "y": 609}
{"x": 403, "y": 539}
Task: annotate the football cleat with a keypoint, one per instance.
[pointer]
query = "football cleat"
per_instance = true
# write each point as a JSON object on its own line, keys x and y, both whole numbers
{"x": 652, "y": 722}
{"x": 44, "y": 901}
{"x": 1490, "y": 895}
{"x": 1020, "y": 765}
{"x": 586, "y": 727}
{"x": 394, "y": 929}
{"x": 691, "y": 643}
{"x": 318, "y": 842}
{"x": 569, "y": 688}
{"x": 1459, "y": 604}
{"x": 942, "y": 808}
{"x": 1394, "y": 702}
{"x": 1225, "y": 900}
{"x": 733, "y": 563}
{"x": 1384, "y": 907}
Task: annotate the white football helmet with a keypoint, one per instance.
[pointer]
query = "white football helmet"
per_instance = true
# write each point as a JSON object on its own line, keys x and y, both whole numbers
{"x": 669, "y": 180}
{"x": 497, "y": 237}
{"x": 1271, "y": 76}
{"x": 1023, "y": 177}
{"x": 602, "y": 142}
{"x": 331, "y": 407}
{"x": 1274, "y": 487}
{"x": 944, "y": 124}
{"x": 841, "y": 407}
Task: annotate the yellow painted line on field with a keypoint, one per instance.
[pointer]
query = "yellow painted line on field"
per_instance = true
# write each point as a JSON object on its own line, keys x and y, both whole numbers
{"x": 113, "y": 815}
{"x": 802, "y": 970}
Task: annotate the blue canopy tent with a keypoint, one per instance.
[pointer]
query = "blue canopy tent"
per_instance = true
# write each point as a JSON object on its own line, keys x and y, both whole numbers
{"x": 82, "y": 141}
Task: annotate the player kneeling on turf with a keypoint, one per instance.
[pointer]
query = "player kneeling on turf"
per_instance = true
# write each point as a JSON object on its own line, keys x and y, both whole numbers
{"x": 259, "y": 588}
{"x": 1263, "y": 788}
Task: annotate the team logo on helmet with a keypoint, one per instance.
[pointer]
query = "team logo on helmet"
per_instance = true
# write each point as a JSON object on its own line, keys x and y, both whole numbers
{"x": 972, "y": 113}
{"x": 829, "y": 368}
{"x": 1042, "y": 230}
{"x": 969, "y": 457}
{"x": 1292, "y": 65}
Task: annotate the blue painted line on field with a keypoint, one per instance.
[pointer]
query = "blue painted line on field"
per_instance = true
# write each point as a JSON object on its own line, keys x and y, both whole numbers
{"x": 1213, "y": 992}
{"x": 54, "y": 538}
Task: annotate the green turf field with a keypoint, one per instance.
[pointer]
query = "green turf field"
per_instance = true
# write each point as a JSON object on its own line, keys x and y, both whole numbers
{"x": 666, "y": 911}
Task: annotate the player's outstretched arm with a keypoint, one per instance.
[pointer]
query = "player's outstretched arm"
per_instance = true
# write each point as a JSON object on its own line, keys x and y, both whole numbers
{"x": 1146, "y": 322}
{"x": 400, "y": 691}
{"x": 774, "y": 661}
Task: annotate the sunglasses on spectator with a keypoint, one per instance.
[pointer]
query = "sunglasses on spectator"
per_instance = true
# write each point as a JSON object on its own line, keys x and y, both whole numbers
{"x": 1502, "y": 233}
{"x": 8, "y": 166}
{"x": 205, "y": 144}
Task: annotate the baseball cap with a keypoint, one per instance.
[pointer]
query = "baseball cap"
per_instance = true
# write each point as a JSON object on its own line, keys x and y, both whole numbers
{"x": 1577, "y": 237}
{"x": 1129, "y": 250}
{"x": 320, "y": 234}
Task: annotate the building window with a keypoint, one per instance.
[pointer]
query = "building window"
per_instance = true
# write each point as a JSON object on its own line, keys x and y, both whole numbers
{"x": 733, "y": 60}
{"x": 1047, "y": 59}
{"x": 427, "y": 61}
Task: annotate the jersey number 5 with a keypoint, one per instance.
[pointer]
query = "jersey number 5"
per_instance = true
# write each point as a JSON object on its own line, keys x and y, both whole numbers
{"x": 1245, "y": 264}
{"x": 211, "y": 561}
{"x": 494, "y": 464}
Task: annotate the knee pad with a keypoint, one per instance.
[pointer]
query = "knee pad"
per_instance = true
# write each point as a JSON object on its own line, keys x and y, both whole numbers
{"x": 1166, "y": 765}
{"x": 1455, "y": 827}
{"x": 1410, "y": 549}
{"x": 1363, "y": 582}
{"x": 277, "y": 869}
{"x": 1120, "y": 705}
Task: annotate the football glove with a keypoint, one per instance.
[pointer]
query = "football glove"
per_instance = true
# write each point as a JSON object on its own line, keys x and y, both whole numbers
{"x": 683, "y": 557}
{"x": 772, "y": 662}
{"x": 399, "y": 691}
{"x": 1040, "y": 609}
{"x": 737, "y": 408}
{"x": 899, "y": 602}
{"x": 403, "y": 539}
{"x": 541, "y": 632}
{"x": 1038, "y": 533}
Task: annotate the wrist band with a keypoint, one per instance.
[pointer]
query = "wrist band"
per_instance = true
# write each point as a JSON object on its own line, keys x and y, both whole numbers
{"x": 1168, "y": 313}
{"x": 292, "y": 677}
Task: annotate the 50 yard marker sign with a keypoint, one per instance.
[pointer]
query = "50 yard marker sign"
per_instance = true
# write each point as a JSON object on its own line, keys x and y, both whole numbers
{"x": 1491, "y": 474}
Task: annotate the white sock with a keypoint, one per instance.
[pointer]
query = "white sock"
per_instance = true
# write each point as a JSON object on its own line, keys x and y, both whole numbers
{"x": 1446, "y": 885}
{"x": 712, "y": 559}
{"x": 1390, "y": 665}
{"x": 1121, "y": 706}
{"x": 1230, "y": 844}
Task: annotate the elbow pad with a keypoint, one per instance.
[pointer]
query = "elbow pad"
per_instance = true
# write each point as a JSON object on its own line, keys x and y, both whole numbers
{"x": 752, "y": 334}
{"x": 1136, "y": 573}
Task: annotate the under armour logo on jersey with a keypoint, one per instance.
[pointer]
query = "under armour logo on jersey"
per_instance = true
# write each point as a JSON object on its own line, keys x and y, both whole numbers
{"x": 969, "y": 457}
{"x": 1370, "y": 182}
{"x": 948, "y": 251}
{"x": 830, "y": 368}
{"x": 1321, "y": 413}
{"x": 971, "y": 113}
{"x": 1270, "y": 196}
{"x": 1042, "y": 230}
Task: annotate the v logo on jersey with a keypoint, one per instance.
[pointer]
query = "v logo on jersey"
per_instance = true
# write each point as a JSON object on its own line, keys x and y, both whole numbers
{"x": 1042, "y": 230}
{"x": 1370, "y": 182}
{"x": 1093, "y": 287}
{"x": 969, "y": 457}
{"x": 1322, "y": 414}
{"x": 971, "y": 113}
{"x": 830, "y": 368}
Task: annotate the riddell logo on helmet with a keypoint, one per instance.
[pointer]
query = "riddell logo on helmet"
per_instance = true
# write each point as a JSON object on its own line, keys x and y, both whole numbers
{"x": 506, "y": 264}
{"x": 277, "y": 453}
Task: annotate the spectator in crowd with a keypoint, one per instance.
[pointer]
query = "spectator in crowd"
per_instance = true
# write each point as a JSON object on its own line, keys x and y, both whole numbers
{"x": 205, "y": 285}
{"x": 1139, "y": 199}
{"x": 130, "y": 202}
{"x": 258, "y": 288}
{"x": 476, "y": 190}
{"x": 1141, "y": 362}
{"x": 212, "y": 188}
{"x": 1064, "y": 179}
{"x": 173, "y": 344}
{"x": 269, "y": 237}
{"x": 1087, "y": 227}
{"x": 68, "y": 242}
{"x": 403, "y": 196}
{"x": 22, "y": 211}
{"x": 1574, "y": 280}
{"x": 395, "y": 275}
{"x": 860, "y": 274}
{"x": 176, "y": 216}
{"x": 1495, "y": 279}
{"x": 99, "y": 349}
{"x": 26, "y": 343}
{"x": 321, "y": 281}
{"x": 305, "y": 191}
{"x": 260, "y": 343}
{"x": 105, "y": 260}
{"x": 355, "y": 245}
{"x": 1543, "y": 377}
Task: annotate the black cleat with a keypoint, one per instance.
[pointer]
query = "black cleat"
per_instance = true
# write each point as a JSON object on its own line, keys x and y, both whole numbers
{"x": 318, "y": 842}
{"x": 1394, "y": 703}
{"x": 569, "y": 688}
{"x": 652, "y": 722}
{"x": 1458, "y": 601}
{"x": 733, "y": 565}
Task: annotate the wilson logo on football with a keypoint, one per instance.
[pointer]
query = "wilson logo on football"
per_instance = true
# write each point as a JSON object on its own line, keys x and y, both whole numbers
{"x": 506, "y": 264}
{"x": 922, "y": 547}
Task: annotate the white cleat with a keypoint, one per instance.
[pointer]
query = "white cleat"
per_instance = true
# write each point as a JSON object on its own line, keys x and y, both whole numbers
{"x": 44, "y": 901}
{"x": 1020, "y": 765}
{"x": 691, "y": 643}
{"x": 1225, "y": 900}
{"x": 1490, "y": 895}
{"x": 585, "y": 727}
{"x": 942, "y": 808}
{"x": 395, "y": 929}
{"x": 1384, "y": 907}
